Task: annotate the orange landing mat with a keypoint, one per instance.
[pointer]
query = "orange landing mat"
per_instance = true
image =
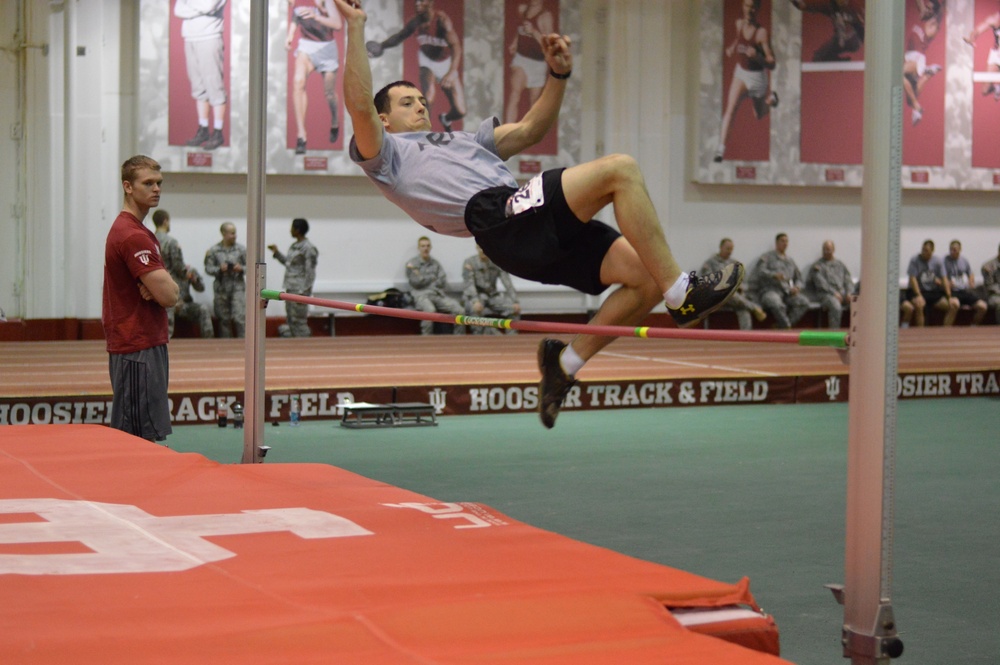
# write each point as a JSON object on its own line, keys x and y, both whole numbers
{"x": 116, "y": 550}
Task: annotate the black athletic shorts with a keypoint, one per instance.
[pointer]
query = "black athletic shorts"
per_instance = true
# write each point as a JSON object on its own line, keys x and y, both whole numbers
{"x": 931, "y": 298}
{"x": 966, "y": 297}
{"x": 532, "y": 233}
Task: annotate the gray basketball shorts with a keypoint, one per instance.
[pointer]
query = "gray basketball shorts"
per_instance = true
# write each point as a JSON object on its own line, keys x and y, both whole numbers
{"x": 531, "y": 232}
{"x": 139, "y": 386}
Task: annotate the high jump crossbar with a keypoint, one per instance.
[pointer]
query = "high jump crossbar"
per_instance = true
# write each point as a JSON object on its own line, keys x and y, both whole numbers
{"x": 833, "y": 339}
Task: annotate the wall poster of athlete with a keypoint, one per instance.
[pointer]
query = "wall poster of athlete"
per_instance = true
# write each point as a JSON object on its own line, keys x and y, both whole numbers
{"x": 951, "y": 92}
{"x": 314, "y": 44}
{"x": 983, "y": 42}
{"x": 199, "y": 74}
{"x": 457, "y": 51}
{"x": 525, "y": 70}
{"x": 832, "y": 80}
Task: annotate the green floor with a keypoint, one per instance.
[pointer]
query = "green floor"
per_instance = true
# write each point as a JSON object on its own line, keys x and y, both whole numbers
{"x": 719, "y": 491}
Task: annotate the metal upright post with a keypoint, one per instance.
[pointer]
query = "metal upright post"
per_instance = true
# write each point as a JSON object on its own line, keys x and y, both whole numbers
{"x": 253, "y": 399}
{"x": 869, "y": 631}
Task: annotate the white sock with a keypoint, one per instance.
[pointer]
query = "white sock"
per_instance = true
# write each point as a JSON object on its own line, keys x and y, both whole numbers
{"x": 570, "y": 361}
{"x": 218, "y": 125}
{"x": 675, "y": 294}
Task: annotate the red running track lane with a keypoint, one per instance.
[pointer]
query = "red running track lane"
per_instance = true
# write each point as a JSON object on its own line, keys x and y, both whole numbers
{"x": 81, "y": 367}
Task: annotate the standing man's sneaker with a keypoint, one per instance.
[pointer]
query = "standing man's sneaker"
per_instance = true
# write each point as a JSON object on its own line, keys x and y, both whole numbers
{"x": 300, "y": 147}
{"x": 555, "y": 383}
{"x": 334, "y": 134}
{"x": 215, "y": 139}
{"x": 445, "y": 122}
{"x": 707, "y": 294}
{"x": 199, "y": 137}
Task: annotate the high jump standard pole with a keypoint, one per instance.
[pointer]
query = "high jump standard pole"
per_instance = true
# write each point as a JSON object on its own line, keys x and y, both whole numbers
{"x": 869, "y": 632}
{"x": 253, "y": 386}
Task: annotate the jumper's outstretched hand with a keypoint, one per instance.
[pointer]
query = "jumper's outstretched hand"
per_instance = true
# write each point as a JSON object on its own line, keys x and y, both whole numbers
{"x": 557, "y": 52}
{"x": 350, "y": 9}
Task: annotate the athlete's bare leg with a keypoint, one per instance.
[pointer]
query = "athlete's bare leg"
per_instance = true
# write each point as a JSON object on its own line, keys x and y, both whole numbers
{"x": 300, "y": 99}
{"x": 627, "y": 305}
{"x": 950, "y": 308}
{"x": 762, "y": 105}
{"x": 330, "y": 91}
{"x": 644, "y": 265}
{"x": 909, "y": 84}
{"x": 219, "y": 114}
{"x": 203, "y": 109}
{"x": 518, "y": 83}
{"x": 428, "y": 86}
{"x": 737, "y": 91}
{"x": 456, "y": 100}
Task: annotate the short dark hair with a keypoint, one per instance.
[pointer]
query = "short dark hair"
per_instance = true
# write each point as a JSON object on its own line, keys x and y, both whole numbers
{"x": 724, "y": 241}
{"x": 382, "y": 96}
{"x": 927, "y": 242}
{"x": 780, "y": 236}
{"x": 160, "y": 217}
{"x": 300, "y": 225}
{"x": 136, "y": 162}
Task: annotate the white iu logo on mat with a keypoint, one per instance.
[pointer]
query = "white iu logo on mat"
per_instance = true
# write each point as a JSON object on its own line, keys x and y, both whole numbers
{"x": 125, "y": 539}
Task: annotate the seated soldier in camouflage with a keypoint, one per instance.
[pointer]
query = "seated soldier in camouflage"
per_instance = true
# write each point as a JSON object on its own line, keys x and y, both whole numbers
{"x": 739, "y": 302}
{"x": 829, "y": 283}
{"x": 429, "y": 285}
{"x": 483, "y": 298}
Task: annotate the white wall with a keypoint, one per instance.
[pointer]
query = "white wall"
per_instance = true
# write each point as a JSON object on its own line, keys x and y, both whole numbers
{"x": 641, "y": 100}
{"x": 11, "y": 190}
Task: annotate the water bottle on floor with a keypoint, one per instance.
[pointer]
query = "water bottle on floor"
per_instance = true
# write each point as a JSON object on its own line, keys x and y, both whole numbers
{"x": 293, "y": 412}
{"x": 221, "y": 412}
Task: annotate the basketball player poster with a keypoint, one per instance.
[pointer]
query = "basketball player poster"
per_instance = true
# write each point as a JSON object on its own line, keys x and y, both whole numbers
{"x": 525, "y": 70}
{"x": 832, "y": 81}
{"x": 314, "y": 43}
{"x": 984, "y": 41}
{"x": 198, "y": 51}
{"x": 748, "y": 59}
{"x": 923, "y": 83}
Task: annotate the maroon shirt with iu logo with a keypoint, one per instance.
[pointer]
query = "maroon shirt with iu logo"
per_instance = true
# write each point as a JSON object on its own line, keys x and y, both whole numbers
{"x": 130, "y": 323}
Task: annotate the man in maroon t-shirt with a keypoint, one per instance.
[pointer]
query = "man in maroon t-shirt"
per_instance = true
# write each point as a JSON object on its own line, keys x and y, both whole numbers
{"x": 137, "y": 291}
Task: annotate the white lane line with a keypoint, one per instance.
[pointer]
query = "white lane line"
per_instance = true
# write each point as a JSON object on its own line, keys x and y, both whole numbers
{"x": 721, "y": 368}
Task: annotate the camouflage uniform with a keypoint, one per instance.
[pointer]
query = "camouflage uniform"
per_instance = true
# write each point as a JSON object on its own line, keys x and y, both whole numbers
{"x": 991, "y": 284}
{"x": 186, "y": 307}
{"x": 739, "y": 302}
{"x": 300, "y": 275}
{"x": 826, "y": 280}
{"x": 230, "y": 287}
{"x": 774, "y": 296}
{"x": 427, "y": 285}
{"x": 480, "y": 279}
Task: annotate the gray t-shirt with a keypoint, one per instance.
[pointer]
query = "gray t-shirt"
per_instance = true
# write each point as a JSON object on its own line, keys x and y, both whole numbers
{"x": 433, "y": 175}
{"x": 959, "y": 271}
{"x": 927, "y": 272}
